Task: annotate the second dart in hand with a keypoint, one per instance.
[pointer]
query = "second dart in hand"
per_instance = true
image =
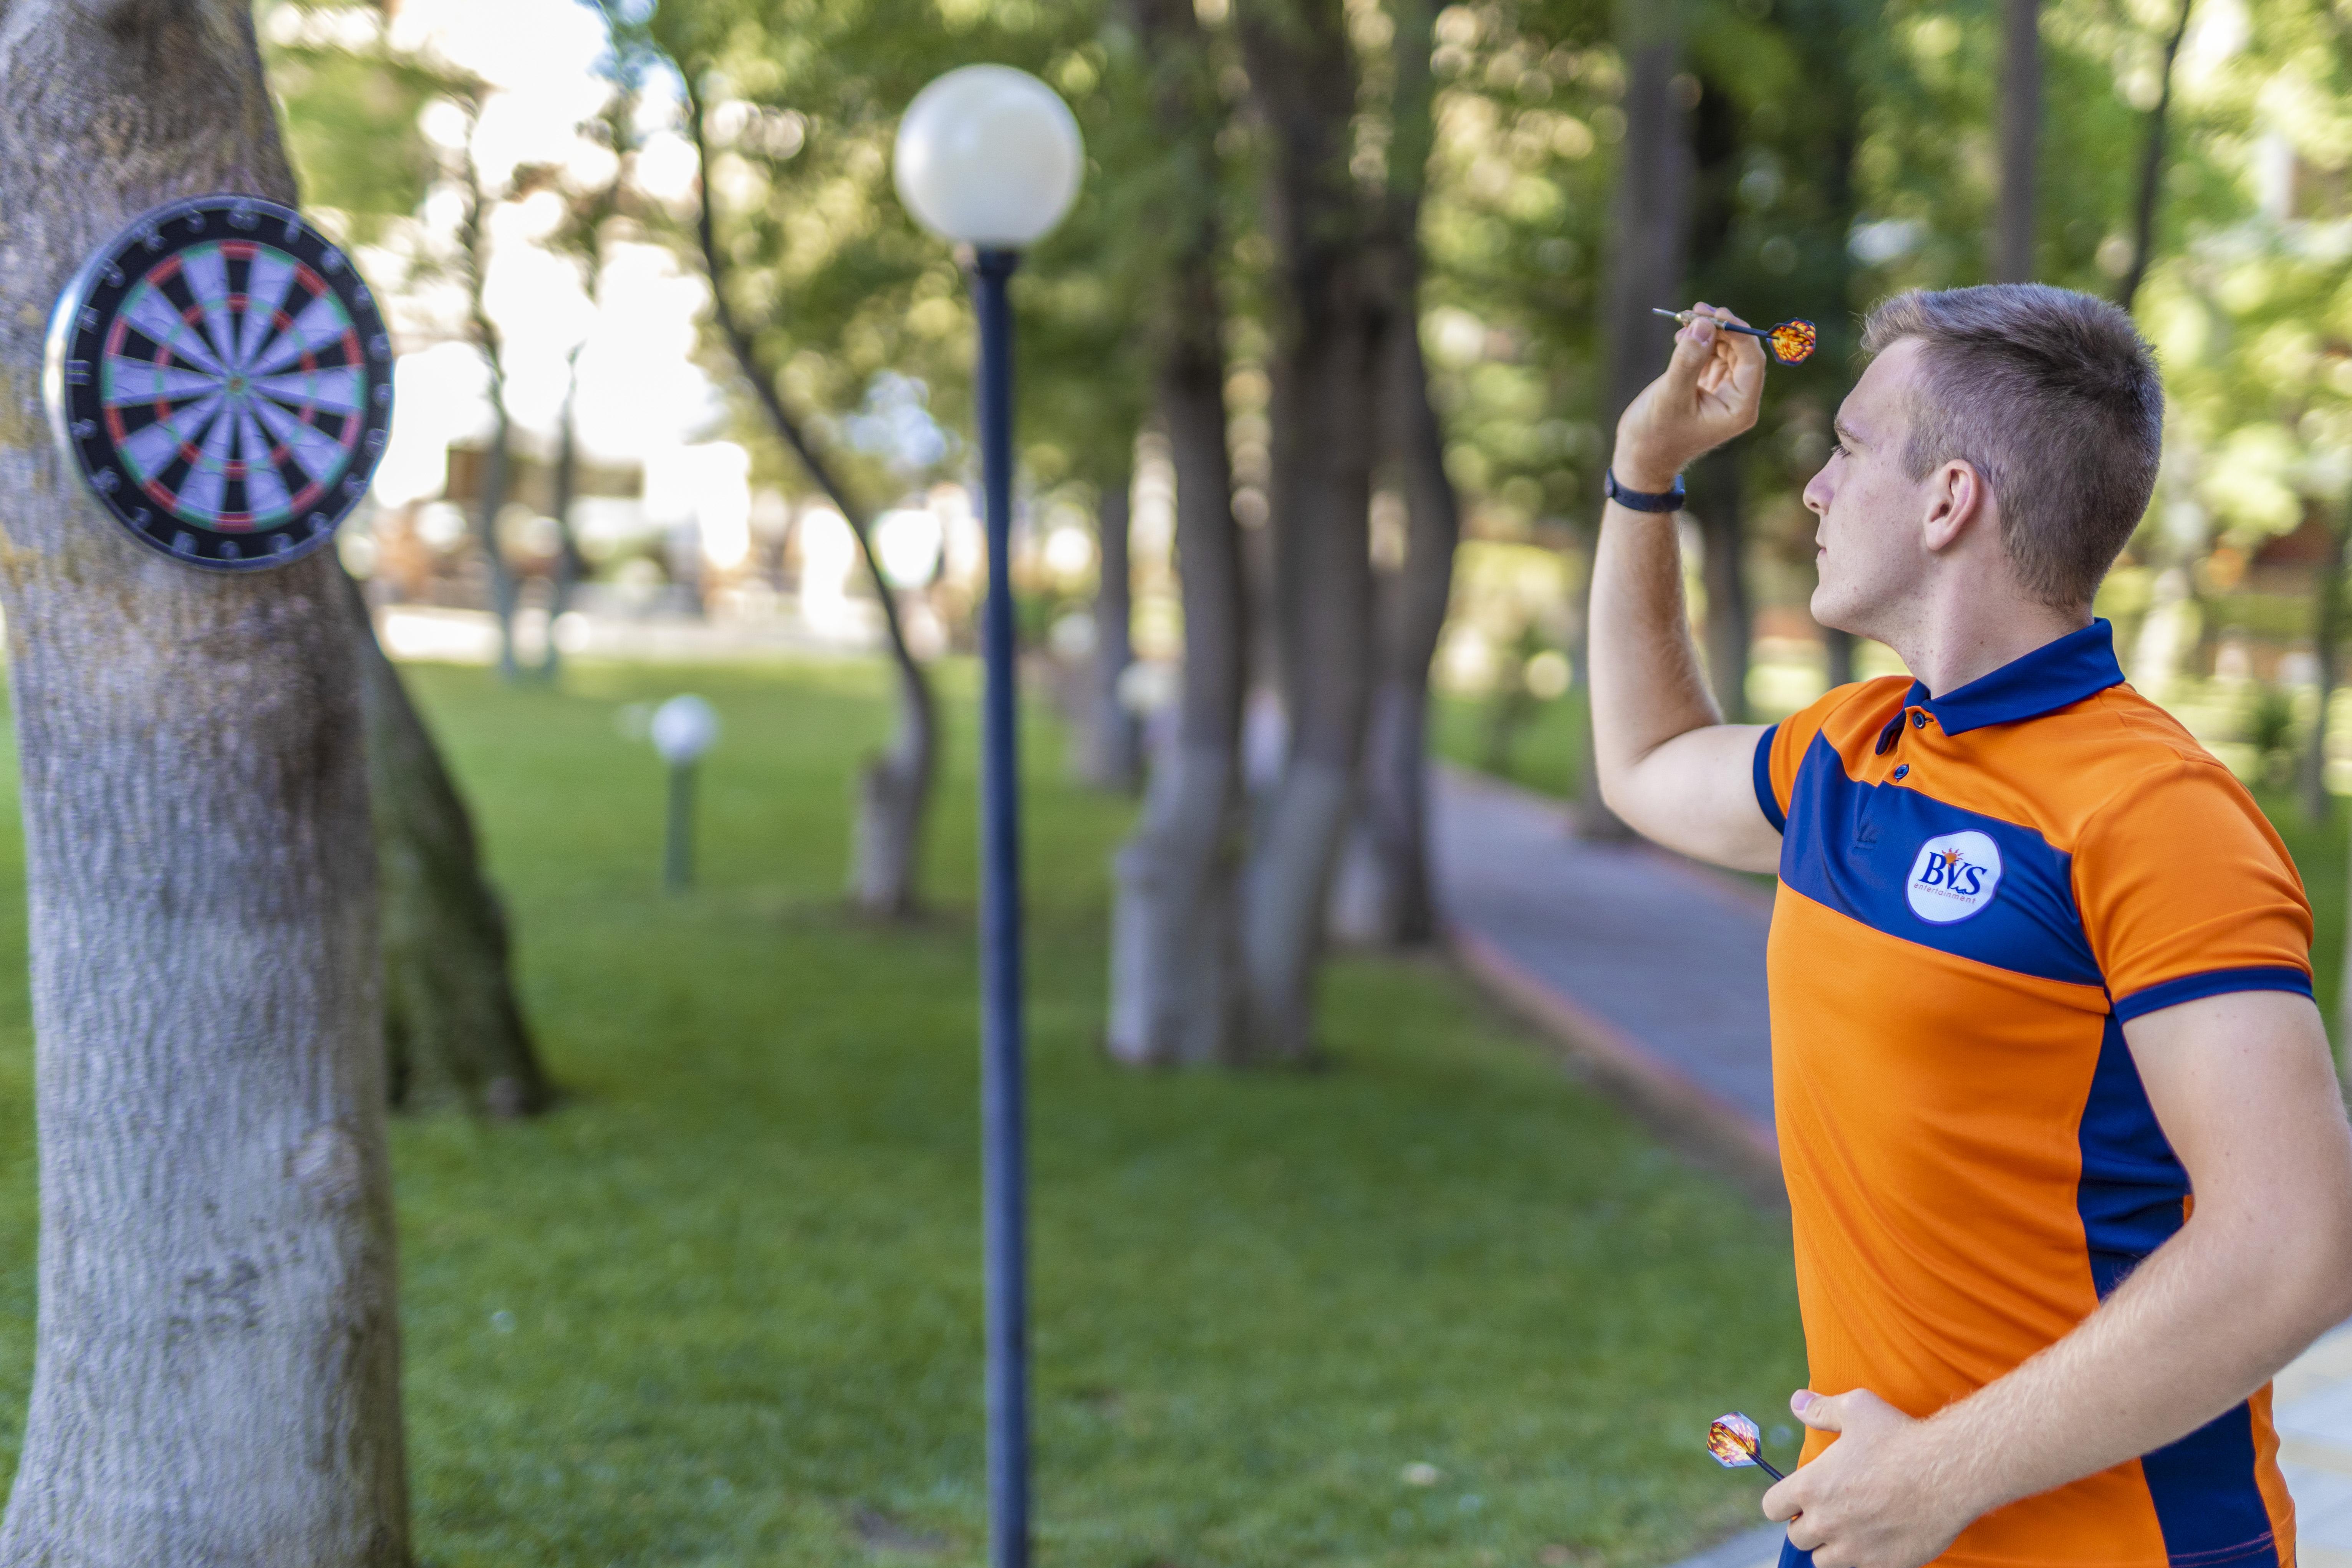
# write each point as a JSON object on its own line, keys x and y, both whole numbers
{"x": 1737, "y": 1445}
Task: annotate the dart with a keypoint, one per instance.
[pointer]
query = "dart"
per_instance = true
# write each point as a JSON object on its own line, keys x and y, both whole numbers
{"x": 1790, "y": 342}
{"x": 1737, "y": 1445}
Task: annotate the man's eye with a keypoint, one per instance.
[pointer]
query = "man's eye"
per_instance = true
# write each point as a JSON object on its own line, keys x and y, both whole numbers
{"x": 1837, "y": 449}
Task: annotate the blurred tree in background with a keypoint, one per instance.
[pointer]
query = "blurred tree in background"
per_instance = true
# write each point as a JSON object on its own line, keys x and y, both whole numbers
{"x": 1351, "y": 296}
{"x": 454, "y": 1026}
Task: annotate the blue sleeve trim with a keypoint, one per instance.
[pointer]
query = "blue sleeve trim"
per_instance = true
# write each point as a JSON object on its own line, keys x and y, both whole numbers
{"x": 2212, "y": 983}
{"x": 1772, "y": 811}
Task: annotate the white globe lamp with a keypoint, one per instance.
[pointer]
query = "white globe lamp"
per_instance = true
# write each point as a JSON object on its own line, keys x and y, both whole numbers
{"x": 683, "y": 729}
{"x": 989, "y": 156}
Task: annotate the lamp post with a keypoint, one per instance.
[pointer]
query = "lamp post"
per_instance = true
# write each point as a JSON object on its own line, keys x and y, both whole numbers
{"x": 683, "y": 729}
{"x": 989, "y": 157}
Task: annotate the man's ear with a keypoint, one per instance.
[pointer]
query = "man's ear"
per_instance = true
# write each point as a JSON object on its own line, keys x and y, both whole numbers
{"x": 1957, "y": 499}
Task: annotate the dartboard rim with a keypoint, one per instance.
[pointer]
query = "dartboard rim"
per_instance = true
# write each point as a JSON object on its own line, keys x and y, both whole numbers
{"x": 87, "y": 309}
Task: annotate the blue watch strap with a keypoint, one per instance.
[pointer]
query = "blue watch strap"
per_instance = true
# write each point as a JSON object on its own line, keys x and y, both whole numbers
{"x": 1642, "y": 500}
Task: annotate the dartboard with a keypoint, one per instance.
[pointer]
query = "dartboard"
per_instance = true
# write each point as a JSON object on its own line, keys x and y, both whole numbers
{"x": 223, "y": 380}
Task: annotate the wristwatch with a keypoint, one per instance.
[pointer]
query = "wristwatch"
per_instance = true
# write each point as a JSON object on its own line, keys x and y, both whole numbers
{"x": 1642, "y": 500}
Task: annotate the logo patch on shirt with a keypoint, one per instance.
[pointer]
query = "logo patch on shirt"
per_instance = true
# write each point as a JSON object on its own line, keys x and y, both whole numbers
{"x": 1954, "y": 877}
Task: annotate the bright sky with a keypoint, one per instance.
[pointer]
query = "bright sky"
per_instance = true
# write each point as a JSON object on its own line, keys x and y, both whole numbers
{"x": 641, "y": 396}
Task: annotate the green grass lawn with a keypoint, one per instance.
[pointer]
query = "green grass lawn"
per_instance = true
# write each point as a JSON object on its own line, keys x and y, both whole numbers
{"x": 723, "y": 1306}
{"x": 1544, "y": 753}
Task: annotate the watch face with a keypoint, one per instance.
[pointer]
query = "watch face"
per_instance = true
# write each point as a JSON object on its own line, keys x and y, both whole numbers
{"x": 223, "y": 380}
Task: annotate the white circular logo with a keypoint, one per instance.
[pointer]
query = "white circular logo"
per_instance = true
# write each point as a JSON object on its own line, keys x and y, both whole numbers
{"x": 1954, "y": 877}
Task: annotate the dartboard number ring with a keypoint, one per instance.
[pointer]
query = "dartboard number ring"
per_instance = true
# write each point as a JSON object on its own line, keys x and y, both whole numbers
{"x": 222, "y": 379}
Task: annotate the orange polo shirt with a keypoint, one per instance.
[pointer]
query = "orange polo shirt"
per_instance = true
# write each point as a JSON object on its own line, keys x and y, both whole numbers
{"x": 1977, "y": 892}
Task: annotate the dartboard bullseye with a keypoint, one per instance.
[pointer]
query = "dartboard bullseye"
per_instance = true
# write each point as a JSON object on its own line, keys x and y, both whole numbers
{"x": 223, "y": 380}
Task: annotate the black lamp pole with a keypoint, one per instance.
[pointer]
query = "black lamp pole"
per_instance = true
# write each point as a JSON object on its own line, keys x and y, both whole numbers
{"x": 677, "y": 839}
{"x": 1004, "y": 1184}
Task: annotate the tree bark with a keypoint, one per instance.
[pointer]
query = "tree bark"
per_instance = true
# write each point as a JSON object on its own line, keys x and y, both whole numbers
{"x": 1649, "y": 225}
{"x": 1320, "y": 366}
{"x": 1828, "y": 51}
{"x": 1111, "y": 740}
{"x": 1716, "y": 500}
{"x": 1837, "y": 657}
{"x": 497, "y": 463}
{"x": 2019, "y": 136}
{"x": 1174, "y": 988}
{"x": 1384, "y": 893}
{"x": 2151, "y": 169}
{"x": 2326, "y": 632}
{"x": 454, "y": 1032}
{"x": 894, "y": 788}
{"x": 568, "y": 566}
{"x": 217, "y": 1362}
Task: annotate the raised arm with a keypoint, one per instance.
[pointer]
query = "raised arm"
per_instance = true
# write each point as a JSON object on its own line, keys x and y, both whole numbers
{"x": 1668, "y": 763}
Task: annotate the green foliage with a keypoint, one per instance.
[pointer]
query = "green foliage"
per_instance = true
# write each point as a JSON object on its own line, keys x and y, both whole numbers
{"x": 2270, "y": 730}
{"x": 1547, "y": 752}
{"x": 1514, "y": 226}
{"x": 1843, "y": 150}
{"x": 2319, "y": 851}
{"x": 839, "y": 286}
{"x": 350, "y": 104}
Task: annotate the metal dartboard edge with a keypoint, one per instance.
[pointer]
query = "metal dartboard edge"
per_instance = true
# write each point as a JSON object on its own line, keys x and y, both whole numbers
{"x": 73, "y": 378}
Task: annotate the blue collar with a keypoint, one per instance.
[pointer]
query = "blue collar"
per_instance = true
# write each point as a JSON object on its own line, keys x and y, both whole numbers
{"x": 2053, "y": 675}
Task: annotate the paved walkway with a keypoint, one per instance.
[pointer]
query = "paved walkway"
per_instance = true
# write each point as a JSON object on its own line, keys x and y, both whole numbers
{"x": 2313, "y": 1413}
{"x": 1652, "y": 969}
{"x": 1648, "y": 965}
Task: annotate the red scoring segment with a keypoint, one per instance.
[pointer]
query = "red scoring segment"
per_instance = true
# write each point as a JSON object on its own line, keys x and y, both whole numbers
{"x": 304, "y": 414}
{"x": 258, "y": 398}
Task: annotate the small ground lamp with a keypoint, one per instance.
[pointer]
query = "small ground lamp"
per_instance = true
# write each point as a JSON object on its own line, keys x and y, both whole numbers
{"x": 989, "y": 157}
{"x": 683, "y": 729}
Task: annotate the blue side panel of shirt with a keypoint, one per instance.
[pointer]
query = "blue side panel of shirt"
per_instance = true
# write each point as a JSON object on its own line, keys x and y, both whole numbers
{"x": 2133, "y": 1197}
{"x": 1762, "y": 772}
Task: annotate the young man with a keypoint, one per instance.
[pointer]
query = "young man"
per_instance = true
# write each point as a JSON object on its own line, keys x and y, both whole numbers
{"x": 2039, "y": 967}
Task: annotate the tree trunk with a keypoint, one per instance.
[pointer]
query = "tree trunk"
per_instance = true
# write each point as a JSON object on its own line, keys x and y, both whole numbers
{"x": 216, "y": 1363}
{"x": 1111, "y": 740}
{"x": 454, "y": 1032}
{"x": 1174, "y": 990}
{"x": 1837, "y": 657}
{"x": 1833, "y": 55}
{"x": 2151, "y": 169}
{"x": 1383, "y": 894}
{"x": 2327, "y": 632}
{"x": 894, "y": 793}
{"x": 894, "y": 787}
{"x": 1648, "y": 238}
{"x": 1716, "y": 502}
{"x": 499, "y": 461}
{"x": 2344, "y": 1008}
{"x": 569, "y": 567}
{"x": 2019, "y": 136}
{"x": 1320, "y": 365}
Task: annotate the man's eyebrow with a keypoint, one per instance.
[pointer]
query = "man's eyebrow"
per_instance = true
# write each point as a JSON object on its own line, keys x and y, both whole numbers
{"x": 1845, "y": 433}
